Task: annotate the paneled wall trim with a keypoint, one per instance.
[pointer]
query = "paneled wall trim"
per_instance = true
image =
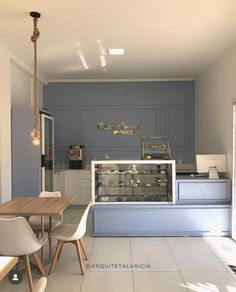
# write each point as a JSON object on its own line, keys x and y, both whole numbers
{"x": 160, "y": 108}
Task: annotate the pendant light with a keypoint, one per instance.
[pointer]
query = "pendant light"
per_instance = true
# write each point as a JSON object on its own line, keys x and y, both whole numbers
{"x": 35, "y": 134}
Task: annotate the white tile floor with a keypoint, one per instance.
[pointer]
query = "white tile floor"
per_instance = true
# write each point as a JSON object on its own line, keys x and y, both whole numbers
{"x": 163, "y": 264}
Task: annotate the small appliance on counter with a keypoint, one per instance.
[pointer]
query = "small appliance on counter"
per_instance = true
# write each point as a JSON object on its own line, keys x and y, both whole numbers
{"x": 77, "y": 157}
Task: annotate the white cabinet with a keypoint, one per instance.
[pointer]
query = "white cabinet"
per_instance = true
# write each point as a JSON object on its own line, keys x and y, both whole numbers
{"x": 84, "y": 187}
{"x": 74, "y": 183}
{"x": 59, "y": 182}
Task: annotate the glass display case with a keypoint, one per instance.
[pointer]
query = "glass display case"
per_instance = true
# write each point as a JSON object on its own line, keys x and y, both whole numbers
{"x": 155, "y": 148}
{"x": 133, "y": 181}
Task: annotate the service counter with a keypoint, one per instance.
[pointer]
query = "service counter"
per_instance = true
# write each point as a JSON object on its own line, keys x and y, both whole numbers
{"x": 202, "y": 207}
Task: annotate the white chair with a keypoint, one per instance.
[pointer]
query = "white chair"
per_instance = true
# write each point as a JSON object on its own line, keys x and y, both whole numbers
{"x": 71, "y": 233}
{"x": 35, "y": 221}
{"x": 17, "y": 239}
{"x": 40, "y": 285}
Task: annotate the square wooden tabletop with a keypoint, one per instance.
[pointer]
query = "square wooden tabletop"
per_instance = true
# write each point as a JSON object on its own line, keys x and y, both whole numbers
{"x": 6, "y": 264}
{"x": 47, "y": 206}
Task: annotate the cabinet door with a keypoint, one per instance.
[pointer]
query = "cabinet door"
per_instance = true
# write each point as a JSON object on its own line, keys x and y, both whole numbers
{"x": 58, "y": 183}
{"x": 85, "y": 174}
{"x": 72, "y": 185}
{"x": 203, "y": 192}
{"x": 84, "y": 188}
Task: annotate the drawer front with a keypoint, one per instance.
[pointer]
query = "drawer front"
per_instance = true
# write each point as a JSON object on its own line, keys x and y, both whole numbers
{"x": 84, "y": 183}
{"x": 85, "y": 192}
{"x": 85, "y": 174}
{"x": 203, "y": 191}
{"x": 83, "y": 200}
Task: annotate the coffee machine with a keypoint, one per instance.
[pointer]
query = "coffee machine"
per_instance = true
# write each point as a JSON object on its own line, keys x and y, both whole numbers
{"x": 77, "y": 157}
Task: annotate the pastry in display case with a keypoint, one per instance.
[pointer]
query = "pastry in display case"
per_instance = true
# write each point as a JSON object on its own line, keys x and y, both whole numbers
{"x": 133, "y": 181}
{"x": 155, "y": 148}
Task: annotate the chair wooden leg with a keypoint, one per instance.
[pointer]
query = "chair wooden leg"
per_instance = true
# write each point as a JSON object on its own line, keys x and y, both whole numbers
{"x": 59, "y": 245}
{"x": 39, "y": 264}
{"x": 50, "y": 246}
{"x": 84, "y": 248}
{"x": 80, "y": 257}
{"x": 28, "y": 270}
{"x": 59, "y": 254}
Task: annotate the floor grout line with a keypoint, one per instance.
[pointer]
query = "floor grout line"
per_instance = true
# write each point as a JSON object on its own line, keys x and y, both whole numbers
{"x": 131, "y": 256}
{"x": 177, "y": 265}
{"x": 217, "y": 258}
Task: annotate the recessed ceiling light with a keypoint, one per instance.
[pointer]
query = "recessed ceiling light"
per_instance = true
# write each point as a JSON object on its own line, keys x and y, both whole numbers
{"x": 116, "y": 51}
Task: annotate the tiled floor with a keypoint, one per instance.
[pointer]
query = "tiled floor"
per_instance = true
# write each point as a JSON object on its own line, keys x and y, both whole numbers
{"x": 163, "y": 264}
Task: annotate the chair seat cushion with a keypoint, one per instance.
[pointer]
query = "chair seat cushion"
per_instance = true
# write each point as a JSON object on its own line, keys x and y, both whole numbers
{"x": 65, "y": 232}
{"x": 35, "y": 222}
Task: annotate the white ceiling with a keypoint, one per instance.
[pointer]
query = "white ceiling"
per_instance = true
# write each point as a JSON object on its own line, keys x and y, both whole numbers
{"x": 161, "y": 38}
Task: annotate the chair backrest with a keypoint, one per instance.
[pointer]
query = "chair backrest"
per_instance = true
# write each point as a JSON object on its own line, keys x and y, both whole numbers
{"x": 50, "y": 194}
{"x": 55, "y": 195}
{"x": 81, "y": 229}
{"x": 17, "y": 237}
{"x": 40, "y": 285}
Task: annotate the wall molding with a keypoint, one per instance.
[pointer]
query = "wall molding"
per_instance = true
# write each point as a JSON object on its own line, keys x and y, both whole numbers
{"x": 117, "y": 108}
{"x": 144, "y": 104}
{"x": 186, "y": 146}
{"x": 69, "y": 133}
{"x": 122, "y": 80}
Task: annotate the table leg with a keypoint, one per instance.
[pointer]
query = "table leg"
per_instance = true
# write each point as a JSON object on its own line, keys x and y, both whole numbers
{"x": 42, "y": 235}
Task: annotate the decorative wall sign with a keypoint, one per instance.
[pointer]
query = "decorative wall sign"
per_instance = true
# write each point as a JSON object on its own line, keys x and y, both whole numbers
{"x": 120, "y": 128}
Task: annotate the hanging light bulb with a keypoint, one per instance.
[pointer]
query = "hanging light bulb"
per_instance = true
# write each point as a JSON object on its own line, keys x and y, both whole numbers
{"x": 35, "y": 134}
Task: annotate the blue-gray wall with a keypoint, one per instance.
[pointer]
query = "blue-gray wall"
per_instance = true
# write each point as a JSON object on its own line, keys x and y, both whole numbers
{"x": 163, "y": 108}
{"x": 25, "y": 157}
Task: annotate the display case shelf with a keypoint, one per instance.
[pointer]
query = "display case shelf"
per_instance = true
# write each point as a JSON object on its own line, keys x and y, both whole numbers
{"x": 134, "y": 186}
{"x": 125, "y": 174}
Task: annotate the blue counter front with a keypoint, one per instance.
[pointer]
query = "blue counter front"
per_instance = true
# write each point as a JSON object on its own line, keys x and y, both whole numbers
{"x": 162, "y": 220}
{"x": 202, "y": 208}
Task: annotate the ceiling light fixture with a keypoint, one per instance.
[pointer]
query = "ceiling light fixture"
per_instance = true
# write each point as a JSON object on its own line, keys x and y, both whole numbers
{"x": 119, "y": 51}
{"x": 35, "y": 134}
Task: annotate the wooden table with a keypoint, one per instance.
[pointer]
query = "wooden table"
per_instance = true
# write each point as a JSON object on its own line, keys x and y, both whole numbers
{"x": 38, "y": 206}
{"x": 6, "y": 264}
{"x": 41, "y": 206}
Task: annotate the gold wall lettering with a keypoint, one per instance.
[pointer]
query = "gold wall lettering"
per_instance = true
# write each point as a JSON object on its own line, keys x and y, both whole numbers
{"x": 120, "y": 128}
